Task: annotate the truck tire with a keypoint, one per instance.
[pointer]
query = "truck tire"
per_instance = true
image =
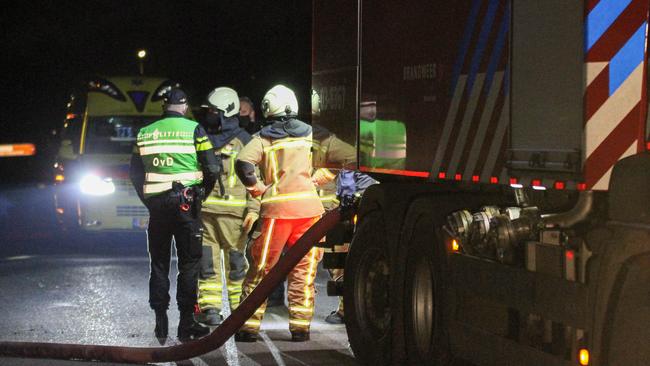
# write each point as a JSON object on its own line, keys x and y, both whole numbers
{"x": 423, "y": 261}
{"x": 366, "y": 293}
{"x": 629, "y": 319}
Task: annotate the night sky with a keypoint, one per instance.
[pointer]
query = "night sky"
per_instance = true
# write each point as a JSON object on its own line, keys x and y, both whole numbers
{"x": 48, "y": 46}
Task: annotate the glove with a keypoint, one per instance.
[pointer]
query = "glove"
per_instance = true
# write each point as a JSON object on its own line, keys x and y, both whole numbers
{"x": 322, "y": 176}
{"x": 258, "y": 189}
{"x": 249, "y": 221}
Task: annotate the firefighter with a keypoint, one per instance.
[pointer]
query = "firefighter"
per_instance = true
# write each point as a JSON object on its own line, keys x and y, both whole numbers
{"x": 331, "y": 154}
{"x": 173, "y": 164}
{"x": 227, "y": 216}
{"x": 290, "y": 206}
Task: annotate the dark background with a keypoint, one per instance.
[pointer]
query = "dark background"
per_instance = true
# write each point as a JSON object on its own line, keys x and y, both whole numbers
{"x": 48, "y": 46}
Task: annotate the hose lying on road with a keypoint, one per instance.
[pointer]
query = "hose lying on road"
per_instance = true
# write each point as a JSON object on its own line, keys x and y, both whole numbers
{"x": 191, "y": 349}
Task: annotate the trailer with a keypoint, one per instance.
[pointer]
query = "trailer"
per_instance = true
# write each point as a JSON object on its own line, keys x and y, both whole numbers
{"x": 512, "y": 225}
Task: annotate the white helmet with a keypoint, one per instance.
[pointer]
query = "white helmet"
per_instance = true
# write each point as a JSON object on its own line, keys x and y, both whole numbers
{"x": 315, "y": 103}
{"x": 224, "y": 99}
{"x": 279, "y": 101}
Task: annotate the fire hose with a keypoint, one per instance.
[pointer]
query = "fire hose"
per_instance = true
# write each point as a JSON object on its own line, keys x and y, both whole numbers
{"x": 213, "y": 341}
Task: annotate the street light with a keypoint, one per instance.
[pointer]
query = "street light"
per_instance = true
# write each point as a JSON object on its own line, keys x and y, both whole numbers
{"x": 141, "y": 55}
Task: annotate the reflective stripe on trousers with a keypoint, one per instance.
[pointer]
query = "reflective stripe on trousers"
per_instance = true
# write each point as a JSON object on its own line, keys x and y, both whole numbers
{"x": 220, "y": 231}
{"x": 266, "y": 251}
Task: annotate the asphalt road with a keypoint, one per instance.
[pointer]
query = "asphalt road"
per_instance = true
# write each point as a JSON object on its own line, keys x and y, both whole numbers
{"x": 93, "y": 290}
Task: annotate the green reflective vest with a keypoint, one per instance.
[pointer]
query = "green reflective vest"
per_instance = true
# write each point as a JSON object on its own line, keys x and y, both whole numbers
{"x": 168, "y": 151}
{"x": 383, "y": 144}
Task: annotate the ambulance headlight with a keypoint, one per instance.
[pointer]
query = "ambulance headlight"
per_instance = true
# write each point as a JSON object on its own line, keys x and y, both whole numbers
{"x": 93, "y": 185}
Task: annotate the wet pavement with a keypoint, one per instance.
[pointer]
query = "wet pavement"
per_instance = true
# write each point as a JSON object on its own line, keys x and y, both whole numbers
{"x": 64, "y": 288}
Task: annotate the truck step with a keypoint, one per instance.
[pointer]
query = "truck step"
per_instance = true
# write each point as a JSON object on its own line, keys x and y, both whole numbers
{"x": 340, "y": 234}
{"x": 334, "y": 288}
{"x": 333, "y": 260}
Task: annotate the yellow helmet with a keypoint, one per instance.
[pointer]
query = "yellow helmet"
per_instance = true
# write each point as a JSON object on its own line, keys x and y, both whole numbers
{"x": 279, "y": 101}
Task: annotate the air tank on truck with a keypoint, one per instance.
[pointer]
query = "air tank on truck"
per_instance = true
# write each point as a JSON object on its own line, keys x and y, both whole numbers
{"x": 512, "y": 225}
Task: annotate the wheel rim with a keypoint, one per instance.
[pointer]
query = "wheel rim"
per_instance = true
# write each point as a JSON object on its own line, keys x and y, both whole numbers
{"x": 422, "y": 305}
{"x": 372, "y": 297}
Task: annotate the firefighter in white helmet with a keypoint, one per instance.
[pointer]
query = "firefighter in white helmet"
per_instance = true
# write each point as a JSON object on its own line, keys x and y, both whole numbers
{"x": 333, "y": 157}
{"x": 330, "y": 154}
{"x": 290, "y": 206}
{"x": 228, "y": 215}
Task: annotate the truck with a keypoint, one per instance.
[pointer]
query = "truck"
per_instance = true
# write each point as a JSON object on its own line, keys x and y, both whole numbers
{"x": 511, "y": 138}
{"x": 103, "y": 115}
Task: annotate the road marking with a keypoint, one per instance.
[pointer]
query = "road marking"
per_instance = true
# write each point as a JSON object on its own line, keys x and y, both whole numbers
{"x": 230, "y": 351}
{"x": 19, "y": 257}
{"x": 198, "y": 362}
{"x": 295, "y": 359}
{"x": 275, "y": 352}
{"x": 247, "y": 361}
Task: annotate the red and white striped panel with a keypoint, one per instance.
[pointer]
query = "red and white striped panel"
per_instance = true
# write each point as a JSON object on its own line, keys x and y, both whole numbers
{"x": 615, "y": 96}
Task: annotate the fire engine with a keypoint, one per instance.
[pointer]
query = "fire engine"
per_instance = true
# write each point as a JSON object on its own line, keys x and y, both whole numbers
{"x": 512, "y": 225}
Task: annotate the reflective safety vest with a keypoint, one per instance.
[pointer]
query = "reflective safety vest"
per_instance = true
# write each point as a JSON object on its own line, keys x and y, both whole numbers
{"x": 236, "y": 201}
{"x": 382, "y": 144}
{"x": 286, "y": 167}
{"x": 168, "y": 151}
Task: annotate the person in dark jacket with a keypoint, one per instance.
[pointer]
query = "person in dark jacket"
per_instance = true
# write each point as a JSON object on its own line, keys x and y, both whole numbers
{"x": 172, "y": 166}
{"x": 246, "y": 117}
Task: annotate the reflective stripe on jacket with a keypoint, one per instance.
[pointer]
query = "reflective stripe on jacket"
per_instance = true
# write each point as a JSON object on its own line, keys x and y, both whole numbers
{"x": 285, "y": 165}
{"x": 330, "y": 155}
{"x": 236, "y": 200}
{"x": 168, "y": 151}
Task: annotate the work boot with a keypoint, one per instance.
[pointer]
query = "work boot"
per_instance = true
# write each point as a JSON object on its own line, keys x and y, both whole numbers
{"x": 162, "y": 327}
{"x": 299, "y": 336}
{"x": 210, "y": 317}
{"x": 334, "y": 318}
{"x": 189, "y": 329}
{"x": 243, "y": 336}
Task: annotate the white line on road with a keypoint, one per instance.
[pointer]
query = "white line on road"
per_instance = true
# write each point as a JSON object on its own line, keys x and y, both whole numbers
{"x": 19, "y": 257}
{"x": 198, "y": 362}
{"x": 229, "y": 351}
{"x": 275, "y": 352}
{"x": 295, "y": 359}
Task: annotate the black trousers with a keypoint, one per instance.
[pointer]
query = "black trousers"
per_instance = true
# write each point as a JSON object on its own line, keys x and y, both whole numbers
{"x": 167, "y": 221}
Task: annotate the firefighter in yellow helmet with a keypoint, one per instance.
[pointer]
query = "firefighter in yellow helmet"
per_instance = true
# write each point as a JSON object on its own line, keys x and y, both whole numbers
{"x": 290, "y": 206}
{"x": 228, "y": 215}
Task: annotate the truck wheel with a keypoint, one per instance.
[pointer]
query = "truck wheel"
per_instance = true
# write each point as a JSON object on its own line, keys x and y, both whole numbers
{"x": 629, "y": 320}
{"x": 426, "y": 338}
{"x": 366, "y": 293}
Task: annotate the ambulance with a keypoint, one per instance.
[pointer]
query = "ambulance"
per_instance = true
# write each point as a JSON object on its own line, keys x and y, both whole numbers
{"x": 103, "y": 116}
